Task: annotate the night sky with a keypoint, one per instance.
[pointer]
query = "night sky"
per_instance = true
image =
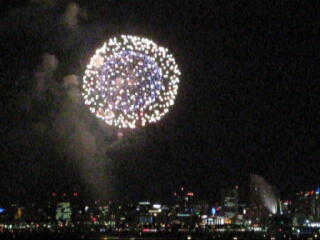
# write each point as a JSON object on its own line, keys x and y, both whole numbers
{"x": 248, "y": 101}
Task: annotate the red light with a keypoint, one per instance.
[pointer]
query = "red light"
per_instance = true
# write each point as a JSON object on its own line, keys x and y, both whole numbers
{"x": 190, "y": 194}
{"x": 94, "y": 219}
{"x": 64, "y": 194}
{"x": 54, "y": 194}
{"x": 146, "y": 230}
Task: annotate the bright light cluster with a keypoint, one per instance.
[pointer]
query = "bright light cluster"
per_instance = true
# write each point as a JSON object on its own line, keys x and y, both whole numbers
{"x": 130, "y": 82}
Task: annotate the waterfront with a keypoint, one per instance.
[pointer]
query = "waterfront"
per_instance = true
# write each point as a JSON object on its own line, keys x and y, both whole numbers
{"x": 79, "y": 234}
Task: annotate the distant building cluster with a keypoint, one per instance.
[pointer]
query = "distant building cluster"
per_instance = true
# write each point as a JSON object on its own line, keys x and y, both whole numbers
{"x": 186, "y": 213}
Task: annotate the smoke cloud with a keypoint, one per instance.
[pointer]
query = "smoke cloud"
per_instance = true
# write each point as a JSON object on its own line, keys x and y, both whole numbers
{"x": 45, "y": 72}
{"x": 266, "y": 193}
{"x": 71, "y": 16}
{"x": 46, "y": 124}
{"x": 57, "y": 125}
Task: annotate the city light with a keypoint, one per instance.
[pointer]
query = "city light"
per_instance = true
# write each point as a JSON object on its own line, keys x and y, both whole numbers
{"x": 156, "y": 206}
{"x": 213, "y": 211}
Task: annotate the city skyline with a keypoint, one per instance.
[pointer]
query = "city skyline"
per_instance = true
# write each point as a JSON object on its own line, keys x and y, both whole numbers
{"x": 185, "y": 216}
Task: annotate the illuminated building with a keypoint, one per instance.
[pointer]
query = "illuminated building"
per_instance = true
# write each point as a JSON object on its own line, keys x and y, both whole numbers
{"x": 19, "y": 214}
{"x": 145, "y": 218}
{"x": 63, "y": 212}
{"x": 230, "y": 203}
{"x": 306, "y": 208}
{"x": 186, "y": 211}
{"x": 184, "y": 200}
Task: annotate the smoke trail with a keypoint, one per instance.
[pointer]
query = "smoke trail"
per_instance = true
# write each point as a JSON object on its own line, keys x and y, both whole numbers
{"x": 265, "y": 192}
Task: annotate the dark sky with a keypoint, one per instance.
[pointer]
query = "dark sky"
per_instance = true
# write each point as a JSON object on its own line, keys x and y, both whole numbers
{"x": 248, "y": 100}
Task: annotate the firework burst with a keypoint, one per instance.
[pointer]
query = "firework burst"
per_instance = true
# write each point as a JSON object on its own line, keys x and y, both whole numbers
{"x": 130, "y": 82}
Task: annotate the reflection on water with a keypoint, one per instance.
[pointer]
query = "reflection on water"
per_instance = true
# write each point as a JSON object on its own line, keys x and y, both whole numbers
{"x": 216, "y": 237}
{"x": 154, "y": 236}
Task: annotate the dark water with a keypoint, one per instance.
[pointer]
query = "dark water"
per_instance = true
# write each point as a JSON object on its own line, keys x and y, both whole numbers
{"x": 158, "y": 236}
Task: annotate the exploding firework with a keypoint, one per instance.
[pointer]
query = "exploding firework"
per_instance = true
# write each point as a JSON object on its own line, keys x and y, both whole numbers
{"x": 130, "y": 82}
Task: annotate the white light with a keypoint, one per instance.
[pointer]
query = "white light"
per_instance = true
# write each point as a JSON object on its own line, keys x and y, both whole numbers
{"x": 156, "y": 206}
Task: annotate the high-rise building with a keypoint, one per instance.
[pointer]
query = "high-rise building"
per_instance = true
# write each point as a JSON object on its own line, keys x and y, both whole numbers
{"x": 230, "y": 202}
{"x": 184, "y": 200}
{"x": 63, "y": 212}
{"x": 306, "y": 207}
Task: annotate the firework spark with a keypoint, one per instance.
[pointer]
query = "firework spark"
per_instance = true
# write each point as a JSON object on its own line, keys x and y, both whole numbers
{"x": 130, "y": 82}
